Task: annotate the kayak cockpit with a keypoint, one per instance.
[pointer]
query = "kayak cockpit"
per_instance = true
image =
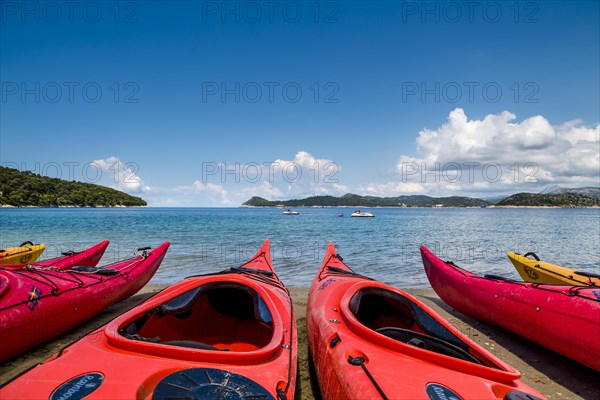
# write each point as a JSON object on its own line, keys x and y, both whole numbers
{"x": 219, "y": 316}
{"x": 387, "y": 313}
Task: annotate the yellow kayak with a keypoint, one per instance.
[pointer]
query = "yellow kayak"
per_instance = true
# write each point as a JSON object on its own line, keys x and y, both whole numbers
{"x": 534, "y": 270}
{"x": 25, "y": 253}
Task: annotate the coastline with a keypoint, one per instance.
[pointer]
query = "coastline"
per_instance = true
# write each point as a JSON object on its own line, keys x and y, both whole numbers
{"x": 317, "y": 207}
{"x": 72, "y": 206}
{"x": 553, "y": 375}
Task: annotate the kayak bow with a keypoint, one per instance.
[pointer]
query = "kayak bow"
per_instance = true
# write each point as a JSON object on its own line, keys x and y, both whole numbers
{"x": 38, "y": 304}
{"x": 369, "y": 340}
{"x": 69, "y": 259}
{"x": 226, "y": 335}
{"x": 25, "y": 253}
{"x": 534, "y": 270}
{"x": 565, "y": 319}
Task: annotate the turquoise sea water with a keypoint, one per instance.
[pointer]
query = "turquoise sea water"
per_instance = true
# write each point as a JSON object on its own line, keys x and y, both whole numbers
{"x": 385, "y": 247}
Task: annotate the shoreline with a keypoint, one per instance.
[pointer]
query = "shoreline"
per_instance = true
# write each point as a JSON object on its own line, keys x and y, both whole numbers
{"x": 553, "y": 375}
{"x": 493, "y": 206}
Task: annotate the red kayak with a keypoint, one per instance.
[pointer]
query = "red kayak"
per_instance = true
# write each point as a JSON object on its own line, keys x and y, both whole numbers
{"x": 38, "y": 304}
{"x": 67, "y": 260}
{"x": 369, "y": 340}
{"x": 565, "y": 319}
{"x": 229, "y": 335}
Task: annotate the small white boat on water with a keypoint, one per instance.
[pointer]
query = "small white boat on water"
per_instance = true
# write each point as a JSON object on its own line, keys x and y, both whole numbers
{"x": 290, "y": 212}
{"x": 359, "y": 213}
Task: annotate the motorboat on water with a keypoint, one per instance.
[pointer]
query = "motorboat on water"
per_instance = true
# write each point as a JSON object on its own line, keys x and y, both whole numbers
{"x": 359, "y": 213}
{"x": 290, "y": 212}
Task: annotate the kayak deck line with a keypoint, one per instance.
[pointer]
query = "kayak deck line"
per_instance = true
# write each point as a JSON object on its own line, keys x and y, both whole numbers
{"x": 44, "y": 276}
{"x": 567, "y": 290}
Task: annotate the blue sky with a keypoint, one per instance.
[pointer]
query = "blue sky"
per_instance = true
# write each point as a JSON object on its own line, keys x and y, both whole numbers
{"x": 161, "y": 99}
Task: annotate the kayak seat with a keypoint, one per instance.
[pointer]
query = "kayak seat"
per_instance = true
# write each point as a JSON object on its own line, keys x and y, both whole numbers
{"x": 427, "y": 342}
{"x": 189, "y": 343}
{"x": 379, "y": 308}
{"x": 214, "y": 316}
{"x": 180, "y": 343}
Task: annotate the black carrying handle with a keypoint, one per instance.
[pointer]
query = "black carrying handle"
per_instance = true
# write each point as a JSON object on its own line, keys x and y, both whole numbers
{"x": 498, "y": 278}
{"x": 588, "y": 274}
{"x": 144, "y": 248}
{"x": 255, "y": 271}
{"x": 531, "y": 253}
{"x": 26, "y": 244}
{"x": 68, "y": 253}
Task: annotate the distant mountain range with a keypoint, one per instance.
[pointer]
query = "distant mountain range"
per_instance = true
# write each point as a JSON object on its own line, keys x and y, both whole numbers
{"x": 550, "y": 197}
{"x": 354, "y": 200}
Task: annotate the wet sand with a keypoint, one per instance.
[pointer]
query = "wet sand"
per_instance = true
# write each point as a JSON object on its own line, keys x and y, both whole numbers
{"x": 554, "y": 376}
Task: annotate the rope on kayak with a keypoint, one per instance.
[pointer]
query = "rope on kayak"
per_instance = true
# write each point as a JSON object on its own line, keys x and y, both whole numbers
{"x": 361, "y": 361}
{"x": 573, "y": 290}
{"x": 330, "y": 270}
{"x": 571, "y": 277}
{"x": 327, "y": 262}
{"x": 42, "y": 276}
{"x": 339, "y": 271}
{"x": 267, "y": 277}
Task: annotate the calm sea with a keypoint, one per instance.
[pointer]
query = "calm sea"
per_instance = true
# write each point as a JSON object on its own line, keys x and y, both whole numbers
{"x": 385, "y": 247}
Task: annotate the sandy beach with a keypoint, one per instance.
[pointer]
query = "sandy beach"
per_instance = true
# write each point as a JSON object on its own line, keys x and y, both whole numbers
{"x": 551, "y": 374}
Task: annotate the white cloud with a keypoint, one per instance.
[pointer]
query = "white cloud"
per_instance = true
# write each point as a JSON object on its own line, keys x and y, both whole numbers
{"x": 391, "y": 189}
{"x": 119, "y": 175}
{"x": 302, "y": 176}
{"x": 197, "y": 194}
{"x": 113, "y": 172}
{"x": 264, "y": 189}
{"x": 497, "y": 153}
{"x": 307, "y": 175}
{"x": 231, "y": 184}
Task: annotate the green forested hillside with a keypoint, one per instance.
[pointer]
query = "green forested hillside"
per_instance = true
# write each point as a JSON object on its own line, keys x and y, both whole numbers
{"x": 23, "y": 189}
{"x": 550, "y": 200}
{"x": 354, "y": 200}
{"x": 568, "y": 200}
